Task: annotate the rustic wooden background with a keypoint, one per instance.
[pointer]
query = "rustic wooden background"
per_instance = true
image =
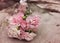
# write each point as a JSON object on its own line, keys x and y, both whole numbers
{"x": 49, "y": 29}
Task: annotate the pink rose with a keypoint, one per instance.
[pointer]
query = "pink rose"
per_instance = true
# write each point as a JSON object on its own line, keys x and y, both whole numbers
{"x": 16, "y": 19}
{"x": 23, "y": 24}
{"x": 32, "y": 22}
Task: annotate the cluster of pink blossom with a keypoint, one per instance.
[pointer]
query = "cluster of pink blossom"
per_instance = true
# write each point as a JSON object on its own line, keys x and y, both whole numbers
{"x": 23, "y": 28}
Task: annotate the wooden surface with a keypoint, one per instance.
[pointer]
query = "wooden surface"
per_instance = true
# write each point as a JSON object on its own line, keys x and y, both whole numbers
{"x": 49, "y": 29}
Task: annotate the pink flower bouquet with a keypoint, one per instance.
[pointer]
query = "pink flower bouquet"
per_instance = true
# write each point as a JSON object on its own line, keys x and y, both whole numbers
{"x": 22, "y": 25}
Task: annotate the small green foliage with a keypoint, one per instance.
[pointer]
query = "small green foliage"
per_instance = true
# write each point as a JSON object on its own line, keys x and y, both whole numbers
{"x": 27, "y": 12}
{"x": 28, "y": 31}
{"x": 24, "y": 17}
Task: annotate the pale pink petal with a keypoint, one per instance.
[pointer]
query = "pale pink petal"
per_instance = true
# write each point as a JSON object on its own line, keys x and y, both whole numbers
{"x": 33, "y": 22}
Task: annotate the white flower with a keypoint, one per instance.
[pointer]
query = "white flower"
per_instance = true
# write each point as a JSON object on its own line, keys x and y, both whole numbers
{"x": 30, "y": 36}
{"x": 22, "y": 1}
{"x": 13, "y": 32}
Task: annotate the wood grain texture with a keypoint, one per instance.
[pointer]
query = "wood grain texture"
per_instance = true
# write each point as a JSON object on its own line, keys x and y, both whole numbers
{"x": 49, "y": 29}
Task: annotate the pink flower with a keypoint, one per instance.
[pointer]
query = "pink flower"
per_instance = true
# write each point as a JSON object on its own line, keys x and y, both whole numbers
{"x": 20, "y": 28}
{"x": 29, "y": 36}
{"x": 23, "y": 24}
{"x": 19, "y": 16}
{"x": 22, "y": 8}
{"x": 23, "y": 34}
{"x": 32, "y": 22}
{"x": 26, "y": 35}
{"x": 16, "y": 19}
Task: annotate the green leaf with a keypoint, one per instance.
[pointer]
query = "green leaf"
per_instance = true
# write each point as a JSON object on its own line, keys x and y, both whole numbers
{"x": 24, "y": 17}
{"x": 27, "y": 12}
{"x": 28, "y": 31}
